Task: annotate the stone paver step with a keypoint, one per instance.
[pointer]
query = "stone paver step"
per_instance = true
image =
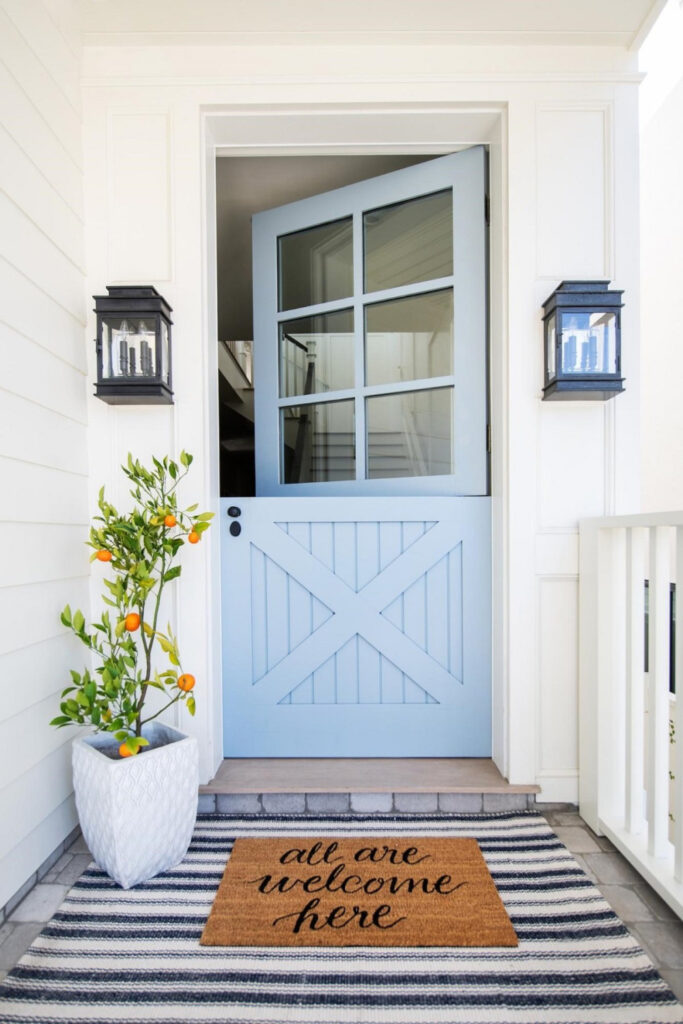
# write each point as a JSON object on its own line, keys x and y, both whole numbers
{"x": 363, "y": 803}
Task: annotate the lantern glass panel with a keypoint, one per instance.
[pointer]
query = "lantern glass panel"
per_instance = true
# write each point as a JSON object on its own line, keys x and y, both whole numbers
{"x": 551, "y": 347}
{"x": 589, "y": 343}
{"x": 165, "y": 361}
{"x": 128, "y": 348}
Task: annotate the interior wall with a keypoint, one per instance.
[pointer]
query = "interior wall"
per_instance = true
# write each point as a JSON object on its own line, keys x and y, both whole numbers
{"x": 43, "y": 424}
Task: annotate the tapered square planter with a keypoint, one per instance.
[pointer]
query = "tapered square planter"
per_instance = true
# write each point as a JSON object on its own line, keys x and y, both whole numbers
{"x": 137, "y": 813}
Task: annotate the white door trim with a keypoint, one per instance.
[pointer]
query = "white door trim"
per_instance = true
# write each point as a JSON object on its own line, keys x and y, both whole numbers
{"x": 357, "y": 129}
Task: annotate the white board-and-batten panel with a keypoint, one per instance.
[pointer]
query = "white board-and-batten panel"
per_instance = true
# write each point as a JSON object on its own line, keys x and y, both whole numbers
{"x": 575, "y": 219}
{"x": 139, "y": 224}
{"x": 43, "y": 423}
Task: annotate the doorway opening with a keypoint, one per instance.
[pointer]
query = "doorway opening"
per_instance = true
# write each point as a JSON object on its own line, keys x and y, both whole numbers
{"x": 361, "y": 627}
{"x": 246, "y": 186}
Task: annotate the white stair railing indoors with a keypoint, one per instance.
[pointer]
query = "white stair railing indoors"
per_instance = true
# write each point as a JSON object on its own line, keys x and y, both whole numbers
{"x": 631, "y": 724}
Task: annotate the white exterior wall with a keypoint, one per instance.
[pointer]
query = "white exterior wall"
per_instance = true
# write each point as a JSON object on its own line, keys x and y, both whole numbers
{"x": 43, "y": 418}
{"x": 661, "y": 147}
{"x": 563, "y": 125}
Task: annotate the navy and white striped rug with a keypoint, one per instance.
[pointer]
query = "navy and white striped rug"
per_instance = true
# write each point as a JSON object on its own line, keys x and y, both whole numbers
{"x": 110, "y": 956}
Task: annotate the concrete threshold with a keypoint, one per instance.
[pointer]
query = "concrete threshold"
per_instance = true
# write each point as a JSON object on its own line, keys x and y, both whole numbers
{"x": 314, "y": 785}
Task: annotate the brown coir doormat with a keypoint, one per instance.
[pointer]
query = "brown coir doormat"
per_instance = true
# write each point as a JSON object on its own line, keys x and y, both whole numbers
{"x": 296, "y": 891}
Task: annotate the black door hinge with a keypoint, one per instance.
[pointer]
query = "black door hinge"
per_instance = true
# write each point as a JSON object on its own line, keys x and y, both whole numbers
{"x": 488, "y": 438}
{"x": 487, "y": 209}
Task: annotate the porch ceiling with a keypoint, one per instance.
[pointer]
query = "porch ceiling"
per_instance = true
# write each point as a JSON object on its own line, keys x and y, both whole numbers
{"x": 621, "y": 23}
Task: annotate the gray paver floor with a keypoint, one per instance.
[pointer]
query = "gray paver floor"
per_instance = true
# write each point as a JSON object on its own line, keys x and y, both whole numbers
{"x": 654, "y": 925}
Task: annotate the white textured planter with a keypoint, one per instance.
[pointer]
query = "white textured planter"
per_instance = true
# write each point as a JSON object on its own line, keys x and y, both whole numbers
{"x": 137, "y": 813}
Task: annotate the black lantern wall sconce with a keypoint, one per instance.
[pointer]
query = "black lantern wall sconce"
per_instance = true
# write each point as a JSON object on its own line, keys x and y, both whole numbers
{"x": 582, "y": 341}
{"x": 133, "y": 346}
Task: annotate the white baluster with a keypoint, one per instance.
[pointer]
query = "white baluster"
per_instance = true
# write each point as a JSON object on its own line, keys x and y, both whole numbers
{"x": 618, "y": 668}
{"x": 636, "y": 540}
{"x": 658, "y": 731}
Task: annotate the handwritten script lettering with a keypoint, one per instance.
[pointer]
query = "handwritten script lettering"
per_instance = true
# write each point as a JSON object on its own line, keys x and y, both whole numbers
{"x": 335, "y": 875}
{"x": 337, "y": 917}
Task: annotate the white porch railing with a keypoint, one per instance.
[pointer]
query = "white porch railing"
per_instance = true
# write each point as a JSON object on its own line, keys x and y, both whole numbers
{"x": 630, "y": 722}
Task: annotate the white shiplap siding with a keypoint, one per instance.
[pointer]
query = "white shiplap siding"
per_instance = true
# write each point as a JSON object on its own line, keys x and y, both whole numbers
{"x": 43, "y": 416}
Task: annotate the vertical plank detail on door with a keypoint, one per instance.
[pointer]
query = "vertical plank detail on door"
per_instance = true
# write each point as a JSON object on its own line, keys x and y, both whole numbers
{"x": 358, "y": 674}
{"x": 359, "y": 634}
{"x": 356, "y": 552}
{"x": 283, "y": 613}
{"x": 419, "y": 612}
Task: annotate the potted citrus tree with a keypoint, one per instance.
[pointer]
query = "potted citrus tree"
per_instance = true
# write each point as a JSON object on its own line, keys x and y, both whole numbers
{"x": 135, "y": 778}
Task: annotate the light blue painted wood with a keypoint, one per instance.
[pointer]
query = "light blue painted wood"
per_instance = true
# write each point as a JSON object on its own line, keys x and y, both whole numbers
{"x": 465, "y": 174}
{"x": 362, "y": 626}
{"x": 359, "y": 628}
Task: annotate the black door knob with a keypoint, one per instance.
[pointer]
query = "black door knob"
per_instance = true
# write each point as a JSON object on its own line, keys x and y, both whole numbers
{"x": 235, "y": 529}
{"x": 234, "y": 511}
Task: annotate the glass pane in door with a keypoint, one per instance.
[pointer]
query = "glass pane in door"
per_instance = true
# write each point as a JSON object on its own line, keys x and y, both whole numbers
{"x": 410, "y": 434}
{"x": 409, "y": 242}
{"x": 410, "y": 338}
{"x": 316, "y": 265}
{"x": 316, "y": 354}
{"x": 318, "y": 442}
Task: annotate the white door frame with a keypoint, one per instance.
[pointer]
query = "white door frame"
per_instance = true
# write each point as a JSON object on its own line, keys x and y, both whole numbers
{"x": 325, "y": 130}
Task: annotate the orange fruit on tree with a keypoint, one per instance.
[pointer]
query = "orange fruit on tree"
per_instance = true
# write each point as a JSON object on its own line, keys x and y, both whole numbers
{"x": 186, "y": 682}
{"x": 170, "y": 521}
{"x": 132, "y": 621}
{"x": 103, "y": 555}
{"x": 193, "y": 537}
{"x": 124, "y": 751}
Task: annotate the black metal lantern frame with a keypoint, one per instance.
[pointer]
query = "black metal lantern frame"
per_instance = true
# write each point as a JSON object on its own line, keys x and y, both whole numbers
{"x": 133, "y": 346}
{"x": 582, "y": 341}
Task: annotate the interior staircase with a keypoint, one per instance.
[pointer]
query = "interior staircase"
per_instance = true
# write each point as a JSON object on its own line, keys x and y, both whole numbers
{"x": 333, "y": 456}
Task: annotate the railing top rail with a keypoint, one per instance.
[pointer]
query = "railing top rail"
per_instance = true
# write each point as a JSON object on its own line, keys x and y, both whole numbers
{"x": 674, "y": 518}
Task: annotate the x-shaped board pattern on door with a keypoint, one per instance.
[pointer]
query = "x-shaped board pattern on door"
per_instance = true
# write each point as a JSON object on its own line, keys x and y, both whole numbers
{"x": 350, "y": 620}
